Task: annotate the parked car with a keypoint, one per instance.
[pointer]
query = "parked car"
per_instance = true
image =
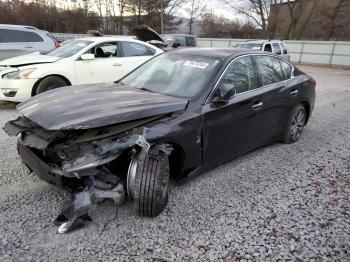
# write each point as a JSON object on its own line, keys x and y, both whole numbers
{"x": 180, "y": 40}
{"x": 16, "y": 40}
{"x": 81, "y": 61}
{"x": 179, "y": 114}
{"x": 272, "y": 46}
{"x": 166, "y": 42}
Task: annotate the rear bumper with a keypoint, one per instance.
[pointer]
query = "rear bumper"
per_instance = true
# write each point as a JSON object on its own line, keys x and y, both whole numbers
{"x": 39, "y": 167}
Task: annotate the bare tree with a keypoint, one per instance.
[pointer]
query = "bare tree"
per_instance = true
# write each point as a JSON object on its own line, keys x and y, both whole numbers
{"x": 333, "y": 17}
{"x": 257, "y": 10}
{"x": 196, "y": 6}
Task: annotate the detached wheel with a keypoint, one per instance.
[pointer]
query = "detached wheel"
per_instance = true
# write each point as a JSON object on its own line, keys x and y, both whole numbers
{"x": 296, "y": 124}
{"x": 147, "y": 183}
{"x": 49, "y": 83}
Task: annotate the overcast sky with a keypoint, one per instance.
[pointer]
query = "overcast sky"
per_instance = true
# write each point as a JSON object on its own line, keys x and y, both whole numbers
{"x": 215, "y": 5}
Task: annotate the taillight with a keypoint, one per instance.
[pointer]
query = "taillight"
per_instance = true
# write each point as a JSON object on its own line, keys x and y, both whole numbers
{"x": 57, "y": 44}
{"x": 313, "y": 83}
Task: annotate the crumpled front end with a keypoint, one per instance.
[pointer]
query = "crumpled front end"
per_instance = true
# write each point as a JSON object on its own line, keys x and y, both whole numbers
{"x": 96, "y": 164}
{"x": 75, "y": 153}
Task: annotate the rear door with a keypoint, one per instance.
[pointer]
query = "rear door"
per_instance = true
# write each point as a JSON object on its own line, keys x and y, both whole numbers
{"x": 33, "y": 41}
{"x": 133, "y": 55}
{"x": 285, "y": 54}
{"x": 231, "y": 129}
{"x": 277, "y": 49}
{"x": 276, "y": 95}
{"x": 12, "y": 43}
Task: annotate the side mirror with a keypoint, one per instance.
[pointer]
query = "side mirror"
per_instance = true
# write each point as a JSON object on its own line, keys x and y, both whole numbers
{"x": 176, "y": 44}
{"x": 87, "y": 57}
{"x": 224, "y": 93}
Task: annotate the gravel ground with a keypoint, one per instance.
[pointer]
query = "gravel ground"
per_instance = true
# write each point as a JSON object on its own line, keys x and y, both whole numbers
{"x": 281, "y": 202}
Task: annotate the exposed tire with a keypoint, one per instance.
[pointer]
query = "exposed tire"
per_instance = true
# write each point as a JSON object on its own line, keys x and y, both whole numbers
{"x": 148, "y": 180}
{"x": 49, "y": 83}
{"x": 296, "y": 124}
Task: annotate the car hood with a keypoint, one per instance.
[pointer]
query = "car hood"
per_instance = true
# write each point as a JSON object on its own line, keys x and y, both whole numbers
{"x": 96, "y": 105}
{"x": 30, "y": 59}
{"x": 145, "y": 33}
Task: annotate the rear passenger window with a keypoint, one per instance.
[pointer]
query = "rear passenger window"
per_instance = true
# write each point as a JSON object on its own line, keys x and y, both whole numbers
{"x": 135, "y": 49}
{"x": 284, "y": 48}
{"x": 286, "y": 70}
{"x": 18, "y": 36}
{"x": 190, "y": 41}
{"x": 181, "y": 40}
{"x": 277, "y": 48}
{"x": 270, "y": 69}
{"x": 268, "y": 48}
{"x": 241, "y": 74}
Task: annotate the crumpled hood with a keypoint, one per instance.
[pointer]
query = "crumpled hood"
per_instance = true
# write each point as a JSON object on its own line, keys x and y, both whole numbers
{"x": 96, "y": 105}
{"x": 30, "y": 59}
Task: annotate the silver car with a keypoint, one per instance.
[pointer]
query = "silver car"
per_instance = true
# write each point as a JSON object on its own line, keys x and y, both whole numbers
{"x": 276, "y": 47}
{"x": 16, "y": 40}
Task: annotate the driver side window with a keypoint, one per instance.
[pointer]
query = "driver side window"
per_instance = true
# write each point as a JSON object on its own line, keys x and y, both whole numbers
{"x": 241, "y": 74}
{"x": 105, "y": 50}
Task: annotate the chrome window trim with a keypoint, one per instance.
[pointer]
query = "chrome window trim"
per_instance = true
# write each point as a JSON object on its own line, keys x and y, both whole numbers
{"x": 207, "y": 101}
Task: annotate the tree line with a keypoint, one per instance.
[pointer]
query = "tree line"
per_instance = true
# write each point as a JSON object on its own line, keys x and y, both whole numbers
{"x": 287, "y": 19}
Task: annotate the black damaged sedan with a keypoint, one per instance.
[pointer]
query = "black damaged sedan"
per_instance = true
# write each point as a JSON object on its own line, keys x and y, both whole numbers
{"x": 179, "y": 114}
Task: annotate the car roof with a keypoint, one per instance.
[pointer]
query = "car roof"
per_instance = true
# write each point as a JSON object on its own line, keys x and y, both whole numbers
{"x": 260, "y": 41}
{"x": 214, "y": 52}
{"x": 177, "y": 35}
{"x": 19, "y": 26}
{"x": 106, "y": 38}
{"x": 101, "y": 39}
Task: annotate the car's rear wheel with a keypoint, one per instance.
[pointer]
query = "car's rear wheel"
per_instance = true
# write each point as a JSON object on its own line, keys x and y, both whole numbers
{"x": 49, "y": 83}
{"x": 296, "y": 124}
{"x": 147, "y": 183}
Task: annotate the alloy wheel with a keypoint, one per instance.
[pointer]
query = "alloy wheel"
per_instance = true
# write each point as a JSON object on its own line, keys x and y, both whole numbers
{"x": 298, "y": 124}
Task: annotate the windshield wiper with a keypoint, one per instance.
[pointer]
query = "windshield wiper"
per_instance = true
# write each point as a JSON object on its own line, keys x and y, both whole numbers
{"x": 145, "y": 89}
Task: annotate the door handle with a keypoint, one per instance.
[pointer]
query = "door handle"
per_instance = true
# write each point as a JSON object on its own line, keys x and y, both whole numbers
{"x": 257, "y": 105}
{"x": 117, "y": 64}
{"x": 294, "y": 92}
{"x": 28, "y": 47}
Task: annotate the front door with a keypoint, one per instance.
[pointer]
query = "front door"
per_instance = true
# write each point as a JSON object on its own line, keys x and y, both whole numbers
{"x": 106, "y": 67}
{"x": 230, "y": 129}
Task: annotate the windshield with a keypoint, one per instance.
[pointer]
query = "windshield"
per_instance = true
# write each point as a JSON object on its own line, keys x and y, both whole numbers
{"x": 69, "y": 49}
{"x": 173, "y": 74}
{"x": 250, "y": 46}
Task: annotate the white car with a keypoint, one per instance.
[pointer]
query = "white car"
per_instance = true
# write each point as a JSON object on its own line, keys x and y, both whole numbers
{"x": 18, "y": 40}
{"x": 82, "y": 61}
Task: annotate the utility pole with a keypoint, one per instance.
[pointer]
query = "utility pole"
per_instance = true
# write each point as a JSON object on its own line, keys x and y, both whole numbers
{"x": 161, "y": 17}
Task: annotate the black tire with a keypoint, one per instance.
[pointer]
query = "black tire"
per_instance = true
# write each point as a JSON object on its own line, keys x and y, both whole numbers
{"x": 296, "y": 124}
{"x": 149, "y": 189}
{"x": 49, "y": 83}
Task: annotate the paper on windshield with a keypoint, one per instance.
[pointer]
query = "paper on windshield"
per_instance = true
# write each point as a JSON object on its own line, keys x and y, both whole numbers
{"x": 196, "y": 64}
